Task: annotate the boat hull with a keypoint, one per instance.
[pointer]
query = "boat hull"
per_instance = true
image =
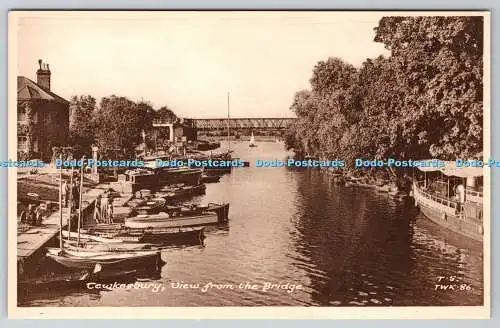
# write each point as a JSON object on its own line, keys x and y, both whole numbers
{"x": 101, "y": 247}
{"x": 210, "y": 178}
{"x": 187, "y": 176}
{"x": 166, "y": 236}
{"x": 183, "y": 193}
{"x": 172, "y": 222}
{"x": 114, "y": 262}
{"x": 63, "y": 281}
{"x": 445, "y": 216}
{"x": 222, "y": 211}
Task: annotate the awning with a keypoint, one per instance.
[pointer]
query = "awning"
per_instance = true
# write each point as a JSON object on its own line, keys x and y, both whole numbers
{"x": 447, "y": 165}
{"x": 464, "y": 172}
{"x": 451, "y": 169}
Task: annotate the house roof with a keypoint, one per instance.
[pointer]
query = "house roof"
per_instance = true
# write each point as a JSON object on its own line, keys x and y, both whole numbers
{"x": 29, "y": 90}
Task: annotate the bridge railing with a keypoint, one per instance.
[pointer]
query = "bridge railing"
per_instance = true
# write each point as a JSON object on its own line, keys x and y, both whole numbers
{"x": 242, "y": 123}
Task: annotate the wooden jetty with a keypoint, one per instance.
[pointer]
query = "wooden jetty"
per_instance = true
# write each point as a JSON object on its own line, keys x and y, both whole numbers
{"x": 32, "y": 242}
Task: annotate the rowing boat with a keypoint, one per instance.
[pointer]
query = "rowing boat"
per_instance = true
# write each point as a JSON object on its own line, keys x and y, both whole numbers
{"x": 107, "y": 260}
{"x": 164, "y": 220}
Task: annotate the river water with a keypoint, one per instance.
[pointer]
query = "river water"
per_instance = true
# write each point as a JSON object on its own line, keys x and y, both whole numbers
{"x": 318, "y": 243}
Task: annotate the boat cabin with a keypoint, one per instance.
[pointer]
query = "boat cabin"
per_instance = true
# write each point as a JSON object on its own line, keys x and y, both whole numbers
{"x": 451, "y": 195}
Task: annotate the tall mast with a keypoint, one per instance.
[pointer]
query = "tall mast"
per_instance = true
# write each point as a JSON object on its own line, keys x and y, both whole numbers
{"x": 60, "y": 208}
{"x": 70, "y": 202}
{"x": 228, "y": 132}
{"x": 80, "y": 202}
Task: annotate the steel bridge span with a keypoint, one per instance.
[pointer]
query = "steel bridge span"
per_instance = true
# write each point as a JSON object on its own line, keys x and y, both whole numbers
{"x": 206, "y": 124}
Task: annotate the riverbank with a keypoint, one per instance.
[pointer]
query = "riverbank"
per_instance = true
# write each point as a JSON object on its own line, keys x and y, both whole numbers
{"x": 31, "y": 242}
{"x": 379, "y": 185}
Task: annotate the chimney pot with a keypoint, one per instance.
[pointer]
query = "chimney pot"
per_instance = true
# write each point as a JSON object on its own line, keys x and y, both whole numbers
{"x": 43, "y": 75}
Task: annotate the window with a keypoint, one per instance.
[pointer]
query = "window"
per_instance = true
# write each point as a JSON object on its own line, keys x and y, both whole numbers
{"x": 21, "y": 143}
{"x": 21, "y": 114}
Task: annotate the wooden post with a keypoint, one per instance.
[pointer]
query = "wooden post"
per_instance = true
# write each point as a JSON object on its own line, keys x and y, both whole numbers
{"x": 80, "y": 202}
{"x": 60, "y": 208}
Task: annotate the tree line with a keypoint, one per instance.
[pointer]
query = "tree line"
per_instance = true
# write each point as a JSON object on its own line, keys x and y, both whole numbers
{"x": 423, "y": 101}
{"x": 115, "y": 125}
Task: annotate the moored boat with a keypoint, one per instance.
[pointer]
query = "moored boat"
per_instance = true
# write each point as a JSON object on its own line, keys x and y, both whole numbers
{"x": 456, "y": 202}
{"x": 160, "y": 236}
{"x": 222, "y": 210}
{"x": 149, "y": 206}
{"x": 170, "y": 193}
{"x": 148, "y": 236}
{"x": 103, "y": 247}
{"x": 83, "y": 237}
{"x": 205, "y": 178}
{"x": 107, "y": 260}
{"x": 170, "y": 175}
{"x": 164, "y": 220}
{"x": 65, "y": 280}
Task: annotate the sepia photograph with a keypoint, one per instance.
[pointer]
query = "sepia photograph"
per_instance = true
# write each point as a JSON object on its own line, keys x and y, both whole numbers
{"x": 313, "y": 164}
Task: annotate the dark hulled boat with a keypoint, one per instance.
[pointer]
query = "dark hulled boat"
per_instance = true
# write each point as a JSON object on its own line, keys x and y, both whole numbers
{"x": 205, "y": 178}
{"x": 171, "y": 193}
{"x": 155, "y": 236}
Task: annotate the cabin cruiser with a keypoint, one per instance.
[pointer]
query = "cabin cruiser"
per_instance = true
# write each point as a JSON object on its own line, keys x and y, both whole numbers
{"x": 452, "y": 197}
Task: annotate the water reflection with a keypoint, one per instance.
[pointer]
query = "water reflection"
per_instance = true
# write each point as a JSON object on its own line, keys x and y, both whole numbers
{"x": 344, "y": 246}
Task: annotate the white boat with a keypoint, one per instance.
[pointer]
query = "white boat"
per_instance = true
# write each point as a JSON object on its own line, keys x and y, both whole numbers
{"x": 83, "y": 236}
{"x": 163, "y": 220}
{"x": 90, "y": 253}
{"x": 456, "y": 203}
{"x": 107, "y": 260}
{"x": 104, "y": 247}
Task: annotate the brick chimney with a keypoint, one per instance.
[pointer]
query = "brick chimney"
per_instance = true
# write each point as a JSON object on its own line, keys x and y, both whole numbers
{"x": 43, "y": 75}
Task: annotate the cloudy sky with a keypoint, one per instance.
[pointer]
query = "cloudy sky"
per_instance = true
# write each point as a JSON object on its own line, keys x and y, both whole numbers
{"x": 189, "y": 61}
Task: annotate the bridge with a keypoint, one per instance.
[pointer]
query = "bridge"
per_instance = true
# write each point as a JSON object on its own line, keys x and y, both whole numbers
{"x": 207, "y": 124}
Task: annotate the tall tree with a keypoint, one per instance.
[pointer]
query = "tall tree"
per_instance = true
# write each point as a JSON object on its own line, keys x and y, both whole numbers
{"x": 424, "y": 100}
{"x": 82, "y": 129}
{"x": 119, "y": 123}
{"x": 439, "y": 62}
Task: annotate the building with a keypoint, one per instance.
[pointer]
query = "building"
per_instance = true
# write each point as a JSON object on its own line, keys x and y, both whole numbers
{"x": 179, "y": 131}
{"x": 42, "y": 116}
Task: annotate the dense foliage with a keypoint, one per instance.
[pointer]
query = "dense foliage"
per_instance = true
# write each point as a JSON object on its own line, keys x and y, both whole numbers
{"x": 116, "y": 126}
{"x": 424, "y": 101}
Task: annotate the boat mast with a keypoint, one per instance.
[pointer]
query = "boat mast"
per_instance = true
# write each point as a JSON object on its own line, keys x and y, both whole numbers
{"x": 80, "y": 203}
{"x": 70, "y": 202}
{"x": 228, "y": 126}
{"x": 60, "y": 207}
